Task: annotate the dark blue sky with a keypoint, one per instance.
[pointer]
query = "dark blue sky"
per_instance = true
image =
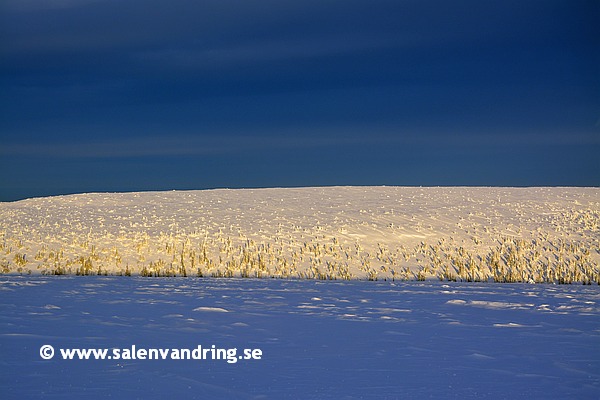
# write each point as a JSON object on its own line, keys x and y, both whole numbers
{"x": 123, "y": 95}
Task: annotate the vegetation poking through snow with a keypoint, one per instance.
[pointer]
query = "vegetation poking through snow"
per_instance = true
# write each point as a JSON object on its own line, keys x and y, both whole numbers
{"x": 516, "y": 241}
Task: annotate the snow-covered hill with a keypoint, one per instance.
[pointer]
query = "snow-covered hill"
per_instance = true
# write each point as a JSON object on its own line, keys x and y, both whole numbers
{"x": 401, "y": 233}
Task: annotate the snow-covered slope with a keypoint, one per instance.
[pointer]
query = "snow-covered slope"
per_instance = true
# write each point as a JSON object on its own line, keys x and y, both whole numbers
{"x": 464, "y": 233}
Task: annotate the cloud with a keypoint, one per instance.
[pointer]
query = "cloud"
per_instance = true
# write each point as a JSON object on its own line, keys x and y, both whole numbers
{"x": 266, "y": 51}
{"x": 42, "y": 5}
{"x": 301, "y": 139}
{"x": 183, "y": 32}
{"x": 169, "y": 145}
{"x": 238, "y": 28}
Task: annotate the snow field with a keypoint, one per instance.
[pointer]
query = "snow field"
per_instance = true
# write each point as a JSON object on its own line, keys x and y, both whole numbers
{"x": 319, "y": 339}
{"x": 534, "y": 235}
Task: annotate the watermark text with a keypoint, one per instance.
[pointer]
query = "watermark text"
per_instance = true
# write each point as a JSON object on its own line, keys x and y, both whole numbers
{"x": 230, "y": 355}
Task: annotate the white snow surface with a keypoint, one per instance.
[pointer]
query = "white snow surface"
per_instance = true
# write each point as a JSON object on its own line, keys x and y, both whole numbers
{"x": 319, "y": 339}
{"x": 399, "y": 233}
{"x": 348, "y": 338}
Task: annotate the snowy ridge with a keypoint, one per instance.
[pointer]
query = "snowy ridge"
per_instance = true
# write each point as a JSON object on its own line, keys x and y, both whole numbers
{"x": 400, "y": 233}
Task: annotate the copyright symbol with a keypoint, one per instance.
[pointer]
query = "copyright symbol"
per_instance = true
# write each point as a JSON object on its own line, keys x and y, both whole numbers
{"x": 46, "y": 352}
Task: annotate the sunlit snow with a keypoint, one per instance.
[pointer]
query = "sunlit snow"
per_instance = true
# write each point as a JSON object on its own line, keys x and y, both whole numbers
{"x": 400, "y": 233}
